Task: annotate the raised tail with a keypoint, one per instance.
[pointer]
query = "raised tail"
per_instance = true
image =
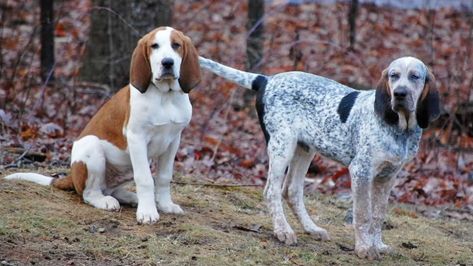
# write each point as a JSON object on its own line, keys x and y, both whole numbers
{"x": 61, "y": 183}
{"x": 245, "y": 79}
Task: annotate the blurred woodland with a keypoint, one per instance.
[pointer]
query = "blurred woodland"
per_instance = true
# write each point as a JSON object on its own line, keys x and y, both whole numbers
{"x": 61, "y": 60}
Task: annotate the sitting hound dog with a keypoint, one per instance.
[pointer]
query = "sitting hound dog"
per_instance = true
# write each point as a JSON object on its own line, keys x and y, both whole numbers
{"x": 374, "y": 133}
{"x": 142, "y": 121}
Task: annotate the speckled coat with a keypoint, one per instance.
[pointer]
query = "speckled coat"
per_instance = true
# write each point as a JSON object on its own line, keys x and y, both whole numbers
{"x": 302, "y": 114}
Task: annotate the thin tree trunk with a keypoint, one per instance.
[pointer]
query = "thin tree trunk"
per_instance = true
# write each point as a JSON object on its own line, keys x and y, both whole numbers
{"x": 47, "y": 40}
{"x": 352, "y": 14}
{"x": 116, "y": 27}
{"x": 254, "y": 26}
{"x": 254, "y": 43}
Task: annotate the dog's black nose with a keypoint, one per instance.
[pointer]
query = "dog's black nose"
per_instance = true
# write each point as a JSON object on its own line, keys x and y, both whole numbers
{"x": 400, "y": 93}
{"x": 167, "y": 62}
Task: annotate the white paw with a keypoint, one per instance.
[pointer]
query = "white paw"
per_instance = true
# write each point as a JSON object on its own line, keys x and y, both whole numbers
{"x": 318, "y": 233}
{"x": 383, "y": 248}
{"x": 108, "y": 203}
{"x": 368, "y": 252}
{"x": 170, "y": 208}
{"x": 285, "y": 234}
{"x": 147, "y": 215}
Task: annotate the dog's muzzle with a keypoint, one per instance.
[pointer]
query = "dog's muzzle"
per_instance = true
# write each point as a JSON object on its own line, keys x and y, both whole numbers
{"x": 167, "y": 70}
{"x": 400, "y": 99}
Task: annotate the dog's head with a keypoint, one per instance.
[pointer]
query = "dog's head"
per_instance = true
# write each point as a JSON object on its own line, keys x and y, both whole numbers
{"x": 406, "y": 94}
{"x": 164, "y": 56}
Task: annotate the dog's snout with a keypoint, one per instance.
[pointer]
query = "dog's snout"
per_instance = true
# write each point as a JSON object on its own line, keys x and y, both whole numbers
{"x": 167, "y": 62}
{"x": 400, "y": 92}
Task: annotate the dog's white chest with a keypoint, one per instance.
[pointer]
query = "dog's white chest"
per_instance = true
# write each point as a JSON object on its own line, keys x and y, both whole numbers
{"x": 161, "y": 116}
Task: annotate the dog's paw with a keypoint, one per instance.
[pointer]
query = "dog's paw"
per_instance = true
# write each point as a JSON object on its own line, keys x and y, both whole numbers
{"x": 383, "y": 248}
{"x": 286, "y": 235}
{"x": 108, "y": 203}
{"x": 368, "y": 252}
{"x": 318, "y": 233}
{"x": 170, "y": 208}
{"x": 147, "y": 215}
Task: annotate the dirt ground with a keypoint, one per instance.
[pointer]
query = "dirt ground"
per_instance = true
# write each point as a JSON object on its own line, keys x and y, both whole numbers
{"x": 222, "y": 225}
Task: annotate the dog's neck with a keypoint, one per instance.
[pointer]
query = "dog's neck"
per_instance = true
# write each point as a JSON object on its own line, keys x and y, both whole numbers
{"x": 167, "y": 85}
{"x": 407, "y": 120}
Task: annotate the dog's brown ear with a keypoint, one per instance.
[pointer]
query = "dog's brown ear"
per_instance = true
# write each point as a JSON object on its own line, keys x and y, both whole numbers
{"x": 382, "y": 102}
{"x": 428, "y": 105}
{"x": 140, "y": 69}
{"x": 190, "y": 68}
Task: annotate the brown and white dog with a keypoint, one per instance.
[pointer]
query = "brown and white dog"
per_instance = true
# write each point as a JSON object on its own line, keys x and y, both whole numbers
{"x": 143, "y": 121}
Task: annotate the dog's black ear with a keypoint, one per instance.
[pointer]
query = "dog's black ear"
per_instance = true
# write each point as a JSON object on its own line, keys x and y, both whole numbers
{"x": 140, "y": 69}
{"x": 382, "y": 102}
{"x": 428, "y": 105}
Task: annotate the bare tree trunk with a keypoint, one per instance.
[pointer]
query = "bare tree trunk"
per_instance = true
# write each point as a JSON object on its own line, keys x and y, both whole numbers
{"x": 47, "y": 40}
{"x": 254, "y": 43}
{"x": 254, "y": 26}
{"x": 116, "y": 27}
{"x": 352, "y": 14}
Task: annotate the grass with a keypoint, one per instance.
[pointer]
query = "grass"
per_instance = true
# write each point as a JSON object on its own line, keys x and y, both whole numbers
{"x": 221, "y": 226}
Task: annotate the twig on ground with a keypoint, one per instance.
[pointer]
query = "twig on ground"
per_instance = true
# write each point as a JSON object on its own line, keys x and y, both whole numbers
{"x": 15, "y": 163}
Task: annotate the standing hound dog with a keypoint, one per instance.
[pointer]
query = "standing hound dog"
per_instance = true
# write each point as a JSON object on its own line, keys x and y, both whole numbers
{"x": 374, "y": 133}
{"x": 143, "y": 121}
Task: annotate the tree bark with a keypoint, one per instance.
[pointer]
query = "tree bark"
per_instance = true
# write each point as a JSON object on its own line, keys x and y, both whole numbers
{"x": 352, "y": 14}
{"x": 254, "y": 43}
{"x": 47, "y": 40}
{"x": 254, "y": 26}
{"x": 117, "y": 25}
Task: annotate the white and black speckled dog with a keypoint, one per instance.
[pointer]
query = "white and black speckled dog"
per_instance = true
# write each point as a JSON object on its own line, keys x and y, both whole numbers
{"x": 371, "y": 132}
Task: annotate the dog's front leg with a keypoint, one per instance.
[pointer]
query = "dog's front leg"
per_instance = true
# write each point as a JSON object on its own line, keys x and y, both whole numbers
{"x": 381, "y": 190}
{"x": 164, "y": 177}
{"x": 146, "y": 212}
{"x": 362, "y": 181}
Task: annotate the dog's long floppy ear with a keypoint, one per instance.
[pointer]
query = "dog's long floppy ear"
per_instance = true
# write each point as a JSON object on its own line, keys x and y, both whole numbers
{"x": 382, "y": 102}
{"x": 428, "y": 105}
{"x": 190, "y": 68}
{"x": 140, "y": 69}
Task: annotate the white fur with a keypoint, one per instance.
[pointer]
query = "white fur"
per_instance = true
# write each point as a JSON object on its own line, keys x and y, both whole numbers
{"x": 154, "y": 131}
{"x": 32, "y": 177}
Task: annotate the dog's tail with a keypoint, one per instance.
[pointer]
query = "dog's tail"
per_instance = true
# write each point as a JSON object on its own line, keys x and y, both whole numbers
{"x": 245, "y": 79}
{"x": 64, "y": 183}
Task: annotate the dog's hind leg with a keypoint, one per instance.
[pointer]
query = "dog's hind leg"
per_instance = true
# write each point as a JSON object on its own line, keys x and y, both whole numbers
{"x": 280, "y": 151}
{"x": 294, "y": 192}
{"x": 124, "y": 196}
{"x": 88, "y": 165}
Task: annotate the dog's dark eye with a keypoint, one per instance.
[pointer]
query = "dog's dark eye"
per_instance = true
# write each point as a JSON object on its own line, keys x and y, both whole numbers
{"x": 175, "y": 45}
{"x": 414, "y": 77}
{"x": 155, "y": 46}
{"x": 394, "y": 75}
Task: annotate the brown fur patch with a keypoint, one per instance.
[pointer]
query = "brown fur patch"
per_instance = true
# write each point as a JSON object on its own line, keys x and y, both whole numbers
{"x": 76, "y": 180}
{"x": 79, "y": 176}
{"x": 64, "y": 183}
{"x": 108, "y": 122}
{"x": 429, "y": 83}
{"x": 384, "y": 82}
{"x": 190, "y": 68}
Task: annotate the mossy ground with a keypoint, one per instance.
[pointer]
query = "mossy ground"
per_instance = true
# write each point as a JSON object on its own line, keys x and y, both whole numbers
{"x": 221, "y": 226}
